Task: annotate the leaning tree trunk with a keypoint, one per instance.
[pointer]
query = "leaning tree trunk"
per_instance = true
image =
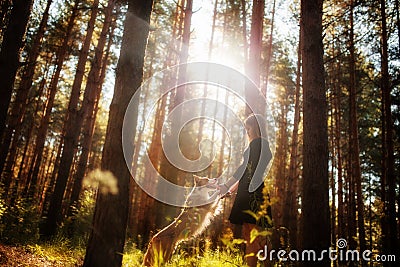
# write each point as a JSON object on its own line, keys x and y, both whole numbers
{"x": 106, "y": 242}
{"x": 315, "y": 222}
{"x": 10, "y": 52}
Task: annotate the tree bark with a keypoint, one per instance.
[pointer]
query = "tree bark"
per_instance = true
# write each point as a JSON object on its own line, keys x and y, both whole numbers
{"x": 315, "y": 222}
{"x": 106, "y": 242}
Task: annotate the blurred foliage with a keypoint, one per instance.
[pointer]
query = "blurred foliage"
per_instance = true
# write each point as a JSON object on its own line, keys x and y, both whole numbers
{"x": 18, "y": 222}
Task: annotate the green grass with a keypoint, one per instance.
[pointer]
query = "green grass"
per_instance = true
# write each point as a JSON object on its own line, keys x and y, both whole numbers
{"x": 133, "y": 257}
{"x": 59, "y": 252}
{"x": 209, "y": 259}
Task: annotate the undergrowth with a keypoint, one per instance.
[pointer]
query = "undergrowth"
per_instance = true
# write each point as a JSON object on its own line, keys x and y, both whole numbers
{"x": 133, "y": 258}
{"x": 59, "y": 252}
{"x": 19, "y": 237}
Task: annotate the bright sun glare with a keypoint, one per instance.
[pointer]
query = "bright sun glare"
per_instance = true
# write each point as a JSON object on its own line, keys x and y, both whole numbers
{"x": 201, "y": 36}
{"x": 226, "y": 51}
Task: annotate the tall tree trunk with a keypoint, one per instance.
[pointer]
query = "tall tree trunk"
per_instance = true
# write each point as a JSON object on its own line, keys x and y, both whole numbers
{"x": 269, "y": 50}
{"x": 210, "y": 45}
{"x": 315, "y": 222}
{"x": 95, "y": 80}
{"x": 4, "y": 9}
{"x": 388, "y": 176}
{"x": 143, "y": 211}
{"x": 244, "y": 32}
{"x": 338, "y": 146}
{"x": 280, "y": 166}
{"x": 354, "y": 140}
{"x": 48, "y": 190}
{"x": 290, "y": 216}
{"x": 44, "y": 124}
{"x": 106, "y": 242}
{"x": 351, "y": 206}
{"x": 253, "y": 67}
{"x": 12, "y": 132}
{"x": 155, "y": 152}
{"x": 171, "y": 172}
{"x": 184, "y": 52}
{"x": 397, "y": 7}
{"x": 73, "y": 122}
{"x": 256, "y": 33}
{"x": 10, "y": 53}
{"x": 27, "y": 141}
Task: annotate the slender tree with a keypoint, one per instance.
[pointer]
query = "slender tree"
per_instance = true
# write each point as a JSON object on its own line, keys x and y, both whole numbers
{"x": 73, "y": 122}
{"x": 254, "y": 61}
{"x": 388, "y": 175}
{"x": 354, "y": 139}
{"x": 18, "y": 108}
{"x": 44, "y": 123}
{"x": 95, "y": 81}
{"x": 243, "y": 12}
{"x": 13, "y": 131}
{"x": 4, "y": 8}
{"x": 290, "y": 215}
{"x": 269, "y": 49}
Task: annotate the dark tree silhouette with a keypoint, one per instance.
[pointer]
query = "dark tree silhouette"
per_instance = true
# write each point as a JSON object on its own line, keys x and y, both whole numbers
{"x": 315, "y": 222}
{"x": 10, "y": 52}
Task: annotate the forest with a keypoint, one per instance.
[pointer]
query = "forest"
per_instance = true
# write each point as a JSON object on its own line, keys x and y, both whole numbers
{"x": 109, "y": 109}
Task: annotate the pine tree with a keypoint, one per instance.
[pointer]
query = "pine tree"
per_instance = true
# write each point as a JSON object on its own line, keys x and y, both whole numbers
{"x": 106, "y": 242}
{"x": 10, "y": 52}
{"x": 315, "y": 222}
{"x": 73, "y": 122}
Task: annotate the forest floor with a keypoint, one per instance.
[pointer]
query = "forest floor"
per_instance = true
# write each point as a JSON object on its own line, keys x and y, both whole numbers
{"x": 13, "y": 256}
{"x": 61, "y": 255}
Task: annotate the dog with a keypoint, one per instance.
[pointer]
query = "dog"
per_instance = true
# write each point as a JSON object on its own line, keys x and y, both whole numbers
{"x": 190, "y": 223}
